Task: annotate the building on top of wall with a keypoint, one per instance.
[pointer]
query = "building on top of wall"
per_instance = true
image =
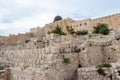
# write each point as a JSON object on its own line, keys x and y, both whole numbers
{"x": 57, "y": 18}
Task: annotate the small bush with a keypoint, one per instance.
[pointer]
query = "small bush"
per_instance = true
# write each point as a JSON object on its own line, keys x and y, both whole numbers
{"x": 101, "y": 29}
{"x": 101, "y": 71}
{"x": 70, "y": 30}
{"x": 66, "y": 60}
{"x": 105, "y": 65}
{"x": 57, "y": 30}
{"x": 84, "y": 32}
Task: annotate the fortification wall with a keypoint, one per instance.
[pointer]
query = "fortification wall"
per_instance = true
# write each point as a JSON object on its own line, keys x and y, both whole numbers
{"x": 61, "y": 23}
{"x": 38, "y": 32}
{"x": 113, "y": 21}
{"x": 43, "y": 60}
{"x": 13, "y": 39}
{"x": 43, "y": 63}
{"x": 81, "y": 25}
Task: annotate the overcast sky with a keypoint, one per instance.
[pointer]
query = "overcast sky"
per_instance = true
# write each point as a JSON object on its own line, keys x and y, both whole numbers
{"x": 18, "y": 16}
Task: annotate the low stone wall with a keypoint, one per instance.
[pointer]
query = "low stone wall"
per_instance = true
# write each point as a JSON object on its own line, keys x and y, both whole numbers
{"x": 90, "y": 74}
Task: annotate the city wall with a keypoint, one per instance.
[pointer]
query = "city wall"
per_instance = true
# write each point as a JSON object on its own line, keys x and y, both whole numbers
{"x": 43, "y": 63}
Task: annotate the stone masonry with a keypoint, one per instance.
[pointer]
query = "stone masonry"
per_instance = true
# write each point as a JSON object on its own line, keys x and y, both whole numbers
{"x": 37, "y": 55}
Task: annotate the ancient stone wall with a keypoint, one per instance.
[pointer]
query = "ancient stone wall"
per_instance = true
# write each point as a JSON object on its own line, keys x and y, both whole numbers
{"x": 46, "y": 62}
{"x": 38, "y": 32}
{"x": 14, "y": 39}
{"x": 61, "y": 23}
{"x": 40, "y": 56}
{"x": 30, "y": 62}
{"x": 90, "y": 74}
{"x": 113, "y": 22}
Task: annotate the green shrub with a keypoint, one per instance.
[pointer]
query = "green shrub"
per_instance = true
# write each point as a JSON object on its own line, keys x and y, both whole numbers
{"x": 105, "y": 65}
{"x": 101, "y": 71}
{"x": 66, "y": 60}
{"x": 101, "y": 29}
{"x": 70, "y": 30}
{"x": 57, "y": 30}
{"x": 84, "y": 32}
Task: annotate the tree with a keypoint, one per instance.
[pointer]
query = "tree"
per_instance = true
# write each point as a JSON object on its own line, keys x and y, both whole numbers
{"x": 101, "y": 29}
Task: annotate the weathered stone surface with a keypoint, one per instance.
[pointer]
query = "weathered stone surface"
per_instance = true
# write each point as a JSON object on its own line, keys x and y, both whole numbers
{"x": 41, "y": 56}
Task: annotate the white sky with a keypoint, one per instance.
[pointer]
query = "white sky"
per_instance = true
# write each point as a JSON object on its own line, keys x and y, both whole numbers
{"x": 18, "y": 16}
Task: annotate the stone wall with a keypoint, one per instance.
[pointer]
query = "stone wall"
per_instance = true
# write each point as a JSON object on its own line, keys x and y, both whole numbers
{"x": 43, "y": 58}
{"x": 38, "y": 63}
{"x": 90, "y": 73}
{"x": 14, "y": 39}
{"x": 113, "y": 22}
{"x": 43, "y": 63}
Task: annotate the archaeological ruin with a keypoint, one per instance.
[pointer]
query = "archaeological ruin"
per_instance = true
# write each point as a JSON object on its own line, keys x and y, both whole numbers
{"x": 41, "y": 54}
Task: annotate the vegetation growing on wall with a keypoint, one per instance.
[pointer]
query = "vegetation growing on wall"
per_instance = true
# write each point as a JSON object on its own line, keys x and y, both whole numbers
{"x": 105, "y": 65}
{"x": 57, "y": 30}
{"x": 66, "y": 60}
{"x": 84, "y": 32}
{"x": 70, "y": 29}
{"x": 101, "y": 71}
{"x": 101, "y": 29}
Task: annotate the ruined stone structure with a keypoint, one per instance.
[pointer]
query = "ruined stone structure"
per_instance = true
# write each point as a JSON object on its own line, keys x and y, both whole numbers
{"x": 37, "y": 55}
